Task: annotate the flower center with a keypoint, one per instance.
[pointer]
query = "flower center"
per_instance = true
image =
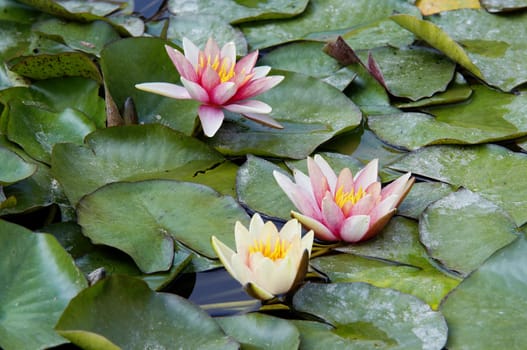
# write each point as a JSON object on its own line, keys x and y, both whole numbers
{"x": 272, "y": 250}
{"x": 223, "y": 66}
{"x": 341, "y": 197}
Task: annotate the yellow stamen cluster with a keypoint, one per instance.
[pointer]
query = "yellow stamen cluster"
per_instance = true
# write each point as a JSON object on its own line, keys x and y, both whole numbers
{"x": 341, "y": 197}
{"x": 223, "y": 67}
{"x": 272, "y": 250}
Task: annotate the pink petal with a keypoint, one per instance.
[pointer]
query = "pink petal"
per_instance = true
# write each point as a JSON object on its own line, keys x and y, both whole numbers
{"x": 263, "y": 119}
{"x": 229, "y": 51}
{"x": 165, "y": 89}
{"x": 246, "y": 64}
{"x": 258, "y": 86}
{"x": 332, "y": 214}
{"x": 378, "y": 225}
{"x": 209, "y": 78}
{"x": 363, "y": 206}
{"x": 196, "y": 91}
{"x": 211, "y": 119}
{"x": 327, "y": 171}
{"x": 191, "y": 52}
{"x": 345, "y": 180}
{"x": 303, "y": 181}
{"x": 222, "y": 93}
{"x": 396, "y": 187}
{"x": 183, "y": 65}
{"x": 301, "y": 199}
{"x": 384, "y": 207}
{"x": 366, "y": 175}
{"x": 321, "y": 231}
{"x": 355, "y": 228}
{"x": 249, "y": 106}
{"x": 211, "y": 49}
{"x": 319, "y": 182}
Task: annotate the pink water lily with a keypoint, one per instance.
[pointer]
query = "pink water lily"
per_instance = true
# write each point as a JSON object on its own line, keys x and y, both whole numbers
{"x": 213, "y": 78}
{"x": 343, "y": 207}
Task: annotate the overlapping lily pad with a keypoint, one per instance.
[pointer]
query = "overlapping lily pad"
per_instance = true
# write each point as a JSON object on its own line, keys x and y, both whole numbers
{"x": 129, "y": 153}
{"x": 322, "y": 16}
{"x": 254, "y": 330}
{"x": 37, "y": 280}
{"x": 374, "y": 317}
{"x": 310, "y": 111}
{"x": 239, "y": 10}
{"x": 13, "y": 167}
{"x": 465, "y": 222}
{"x": 394, "y": 259}
{"x": 151, "y": 214}
{"x": 492, "y": 171}
{"x": 487, "y": 310}
{"x": 158, "y": 320}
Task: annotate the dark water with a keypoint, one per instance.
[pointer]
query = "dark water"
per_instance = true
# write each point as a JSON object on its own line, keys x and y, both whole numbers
{"x": 148, "y": 8}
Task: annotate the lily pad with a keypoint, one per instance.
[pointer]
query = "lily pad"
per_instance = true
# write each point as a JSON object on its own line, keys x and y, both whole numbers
{"x": 129, "y": 153}
{"x": 492, "y": 171}
{"x": 322, "y": 16}
{"x": 394, "y": 259}
{"x": 503, "y": 5}
{"x": 37, "y": 280}
{"x": 377, "y": 34}
{"x": 310, "y": 111}
{"x": 75, "y": 10}
{"x": 318, "y": 335}
{"x": 127, "y": 62}
{"x": 488, "y": 116}
{"x": 465, "y": 222}
{"x": 261, "y": 331}
{"x": 374, "y": 317}
{"x": 153, "y": 213}
{"x": 307, "y": 57}
{"x": 94, "y": 321}
{"x": 487, "y": 310}
{"x": 13, "y": 167}
{"x": 197, "y": 28}
{"x": 239, "y": 10}
{"x": 90, "y": 257}
{"x": 85, "y": 37}
{"x": 421, "y": 196}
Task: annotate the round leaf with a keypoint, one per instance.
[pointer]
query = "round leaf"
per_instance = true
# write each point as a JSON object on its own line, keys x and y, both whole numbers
{"x": 310, "y": 111}
{"x": 129, "y": 153}
{"x": 142, "y": 319}
{"x": 261, "y": 331}
{"x": 421, "y": 196}
{"x": 487, "y": 310}
{"x": 374, "y": 317}
{"x": 37, "y": 280}
{"x": 152, "y": 213}
{"x": 464, "y": 222}
{"x": 485, "y": 169}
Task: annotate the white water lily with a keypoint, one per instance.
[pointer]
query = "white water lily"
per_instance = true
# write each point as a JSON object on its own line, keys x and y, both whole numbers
{"x": 267, "y": 262}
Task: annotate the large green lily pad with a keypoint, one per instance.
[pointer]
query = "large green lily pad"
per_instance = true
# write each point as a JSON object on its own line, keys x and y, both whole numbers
{"x": 310, "y": 111}
{"x": 374, "y": 317}
{"x": 465, "y": 222}
{"x": 322, "y": 16}
{"x": 421, "y": 196}
{"x": 261, "y": 331}
{"x": 151, "y": 214}
{"x": 492, "y": 171}
{"x": 239, "y": 10}
{"x": 37, "y": 280}
{"x": 129, "y": 153}
{"x": 487, "y": 310}
{"x": 394, "y": 259}
{"x": 146, "y": 319}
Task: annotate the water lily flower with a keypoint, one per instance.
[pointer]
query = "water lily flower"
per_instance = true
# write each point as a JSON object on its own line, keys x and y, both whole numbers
{"x": 267, "y": 262}
{"x": 343, "y": 207}
{"x": 213, "y": 78}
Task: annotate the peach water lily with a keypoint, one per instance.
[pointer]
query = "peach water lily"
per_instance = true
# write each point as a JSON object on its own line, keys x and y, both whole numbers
{"x": 343, "y": 207}
{"x": 267, "y": 262}
{"x": 218, "y": 82}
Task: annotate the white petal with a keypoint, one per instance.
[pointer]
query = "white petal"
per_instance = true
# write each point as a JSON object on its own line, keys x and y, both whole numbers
{"x": 328, "y": 172}
{"x": 191, "y": 51}
{"x": 354, "y": 228}
{"x": 261, "y": 71}
{"x": 321, "y": 231}
{"x": 196, "y": 91}
{"x": 249, "y": 106}
{"x": 165, "y": 89}
{"x": 229, "y": 50}
{"x": 225, "y": 255}
{"x": 211, "y": 119}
